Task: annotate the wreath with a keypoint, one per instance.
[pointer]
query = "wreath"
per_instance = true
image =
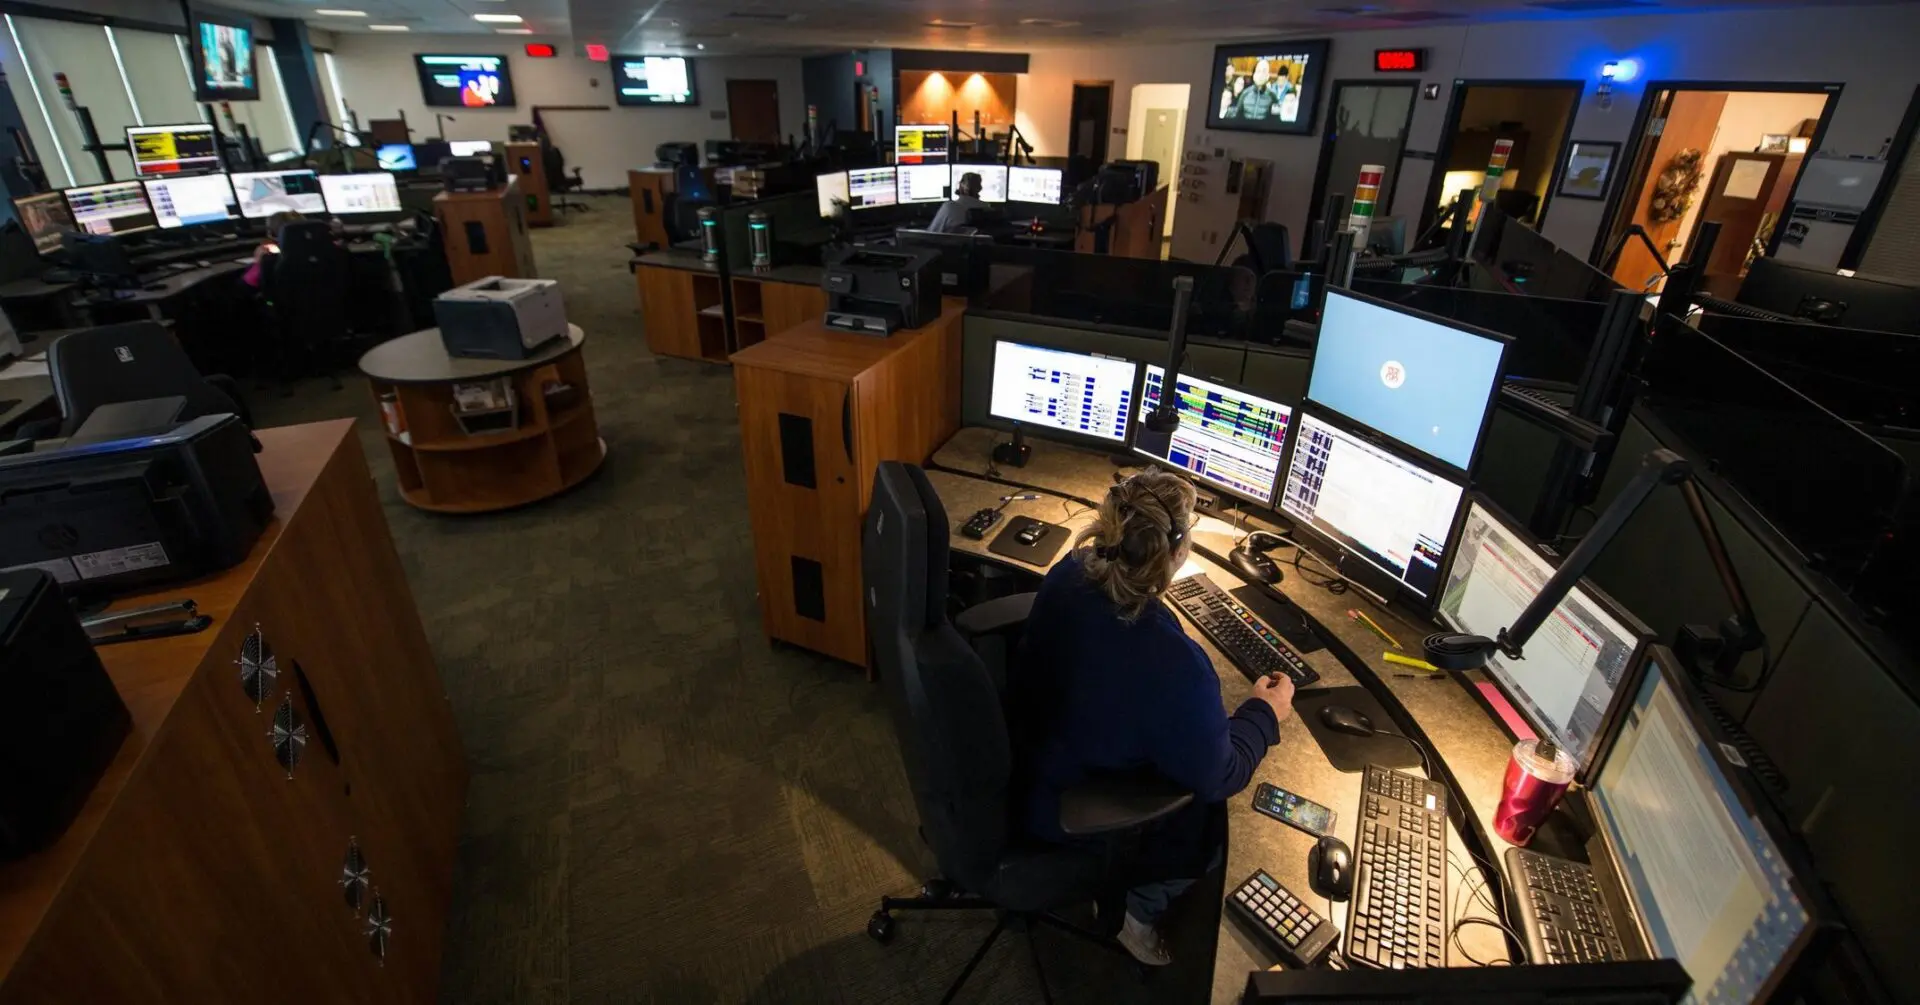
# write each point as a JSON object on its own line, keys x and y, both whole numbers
{"x": 1673, "y": 191}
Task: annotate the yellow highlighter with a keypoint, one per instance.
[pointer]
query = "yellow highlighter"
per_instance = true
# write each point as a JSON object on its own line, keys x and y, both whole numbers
{"x": 1408, "y": 661}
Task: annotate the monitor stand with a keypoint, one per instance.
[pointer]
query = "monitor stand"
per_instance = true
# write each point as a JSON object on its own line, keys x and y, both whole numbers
{"x": 1015, "y": 452}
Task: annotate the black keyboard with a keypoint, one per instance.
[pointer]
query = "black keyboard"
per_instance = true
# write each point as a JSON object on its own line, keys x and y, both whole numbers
{"x": 1560, "y": 910}
{"x": 1719, "y": 306}
{"x": 1286, "y": 925}
{"x": 1249, "y": 642}
{"x": 1400, "y": 881}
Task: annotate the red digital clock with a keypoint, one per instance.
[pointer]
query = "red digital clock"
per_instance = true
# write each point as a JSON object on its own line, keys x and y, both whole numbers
{"x": 1399, "y": 60}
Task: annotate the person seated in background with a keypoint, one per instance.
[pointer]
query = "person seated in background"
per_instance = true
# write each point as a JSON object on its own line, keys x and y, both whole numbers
{"x": 952, "y": 217}
{"x": 256, "y": 274}
{"x": 1107, "y": 681}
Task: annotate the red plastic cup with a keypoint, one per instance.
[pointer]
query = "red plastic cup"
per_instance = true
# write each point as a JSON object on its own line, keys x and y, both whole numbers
{"x": 1533, "y": 786}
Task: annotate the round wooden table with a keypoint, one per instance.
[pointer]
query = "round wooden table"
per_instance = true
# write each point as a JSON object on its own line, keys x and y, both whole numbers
{"x": 454, "y": 456}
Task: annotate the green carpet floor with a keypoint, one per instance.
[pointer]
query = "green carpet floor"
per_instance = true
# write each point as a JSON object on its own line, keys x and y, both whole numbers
{"x": 665, "y": 807}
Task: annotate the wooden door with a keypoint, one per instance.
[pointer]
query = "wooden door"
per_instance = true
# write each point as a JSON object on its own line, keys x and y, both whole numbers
{"x": 1092, "y": 113}
{"x": 753, "y": 107}
{"x": 1746, "y": 190}
{"x": 1690, "y": 120}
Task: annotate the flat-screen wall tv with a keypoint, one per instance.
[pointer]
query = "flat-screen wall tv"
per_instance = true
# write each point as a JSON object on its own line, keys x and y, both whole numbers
{"x": 1267, "y": 87}
{"x": 223, "y": 59}
{"x": 654, "y": 80}
{"x": 464, "y": 81}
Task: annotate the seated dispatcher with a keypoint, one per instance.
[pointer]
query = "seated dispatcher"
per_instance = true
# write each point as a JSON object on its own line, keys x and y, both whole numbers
{"x": 1108, "y": 681}
{"x": 966, "y": 198}
{"x": 255, "y": 276}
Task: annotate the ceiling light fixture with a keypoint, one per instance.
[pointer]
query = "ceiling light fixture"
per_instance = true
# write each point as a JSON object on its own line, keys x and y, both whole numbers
{"x": 498, "y": 18}
{"x": 700, "y": 45}
{"x": 328, "y": 12}
{"x": 388, "y": 27}
{"x": 513, "y": 31}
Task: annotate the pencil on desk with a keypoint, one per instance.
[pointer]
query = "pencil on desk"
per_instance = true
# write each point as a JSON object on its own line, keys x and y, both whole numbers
{"x": 1373, "y": 627}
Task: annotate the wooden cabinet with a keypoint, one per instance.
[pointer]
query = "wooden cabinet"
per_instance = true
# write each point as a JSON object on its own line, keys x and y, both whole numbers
{"x": 767, "y": 307}
{"x": 647, "y": 189}
{"x": 207, "y": 864}
{"x": 527, "y": 163}
{"x": 683, "y": 312}
{"x": 485, "y": 234}
{"x": 819, "y": 410}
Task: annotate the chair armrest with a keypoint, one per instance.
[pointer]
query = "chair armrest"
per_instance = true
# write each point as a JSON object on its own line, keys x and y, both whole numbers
{"x": 1000, "y": 614}
{"x": 1105, "y": 805}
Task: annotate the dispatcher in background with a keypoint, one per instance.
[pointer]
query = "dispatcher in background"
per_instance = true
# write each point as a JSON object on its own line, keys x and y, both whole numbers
{"x": 1107, "y": 681}
{"x": 966, "y": 198}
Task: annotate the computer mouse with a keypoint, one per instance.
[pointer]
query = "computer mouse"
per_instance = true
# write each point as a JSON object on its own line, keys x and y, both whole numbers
{"x": 1254, "y": 566}
{"x": 1330, "y": 868}
{"x": 1342, "y": 719}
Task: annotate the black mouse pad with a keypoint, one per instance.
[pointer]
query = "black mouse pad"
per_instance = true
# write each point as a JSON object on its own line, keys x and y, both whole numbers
{"x": 1285, "y": 618}
{"x": 1347, "y": 752}
{"x": 1052, "y": 538}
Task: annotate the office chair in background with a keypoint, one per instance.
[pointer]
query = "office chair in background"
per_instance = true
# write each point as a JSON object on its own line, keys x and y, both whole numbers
{"x": 943, "y": 685}
{"x": 309, "y": 287}
{"x": 559, "y": 182}
{"x": 124, "y": 363}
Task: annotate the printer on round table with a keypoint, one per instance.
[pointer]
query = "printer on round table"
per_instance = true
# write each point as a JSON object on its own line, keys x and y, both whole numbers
{"x": 499, "y": 318}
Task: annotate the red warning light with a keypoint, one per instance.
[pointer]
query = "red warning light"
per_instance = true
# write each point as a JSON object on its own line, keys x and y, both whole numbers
{"x": 596, "y": 52}
{"x": 541, "y": 50}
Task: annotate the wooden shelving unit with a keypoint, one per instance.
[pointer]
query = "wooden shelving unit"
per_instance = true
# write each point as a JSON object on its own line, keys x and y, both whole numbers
{"x": 554, "y": 445}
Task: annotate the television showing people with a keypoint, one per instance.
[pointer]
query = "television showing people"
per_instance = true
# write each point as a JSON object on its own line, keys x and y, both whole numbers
{"x": 1268, "y": 87}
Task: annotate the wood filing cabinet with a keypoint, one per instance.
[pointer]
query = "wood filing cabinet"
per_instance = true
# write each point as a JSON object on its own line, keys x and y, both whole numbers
{"x": 819, "y": 410}
{"x": 527, "y": 163}
{"x": 683, "y": 311}
{"x": 485, "y": 234}
{"x": 762, "y": 308}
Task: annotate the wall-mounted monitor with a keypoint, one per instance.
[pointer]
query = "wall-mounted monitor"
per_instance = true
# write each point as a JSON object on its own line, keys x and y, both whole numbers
{"x": 223, "y": 63}
{"x": 165, "y": 150}
{"x": 457, "y": 81}
{"x": 1267, "y": 87}
{"x": 646, "y": 81}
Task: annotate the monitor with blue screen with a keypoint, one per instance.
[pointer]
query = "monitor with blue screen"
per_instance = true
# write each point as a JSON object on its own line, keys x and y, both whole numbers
{"x": 1228, "y": 438}
{"x": 1426, "y": 382}
{"x": 1076, "y": 393}
{"x": 395, "y": 157}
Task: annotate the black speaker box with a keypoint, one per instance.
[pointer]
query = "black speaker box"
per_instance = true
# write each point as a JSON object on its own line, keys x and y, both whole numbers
{"x": 61, "y": 719}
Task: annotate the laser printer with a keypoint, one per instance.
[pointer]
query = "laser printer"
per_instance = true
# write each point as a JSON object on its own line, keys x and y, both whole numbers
{"x": 875, "y": 292}
{"x": 498, "y": 318}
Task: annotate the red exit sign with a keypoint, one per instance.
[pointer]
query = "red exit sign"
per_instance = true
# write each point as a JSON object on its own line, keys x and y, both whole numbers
{"x": 541, "y": 50}
{"x": 1399, "y": 60}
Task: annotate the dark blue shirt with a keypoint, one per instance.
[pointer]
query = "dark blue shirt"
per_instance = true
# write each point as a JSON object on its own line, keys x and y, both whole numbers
{"x": 1093, "y": 693}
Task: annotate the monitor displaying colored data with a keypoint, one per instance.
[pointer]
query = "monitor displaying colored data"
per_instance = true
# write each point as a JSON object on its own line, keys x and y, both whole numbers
{"x": 164, "y": 150}
{"x": 1229, "y": 439}
{"x": 1578, "y": 660}
{"x": 350, "y": 194}
{"x": 1425, "y": 382}
{"x": 189, "y": 202}
{"x": 46, "y": 219}
{"x": 1388, "y": 512}
{"x": 1709, "y": 883}
{"x": 395, "y": 157}
{"x": 870, "y": 187}
{"x": 1026, "y": 184}
{"x": 925, "y": 144}
{"x": 264, "y": 193}
{"x": 117, "y": 207}
{"x": 1071, "y": 392}
{"x": 923, "y": 182}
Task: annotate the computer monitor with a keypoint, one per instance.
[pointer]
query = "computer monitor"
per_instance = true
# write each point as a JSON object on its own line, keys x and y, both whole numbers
{"x": 1426, "y": 382}
{"x": 165, "y": 150}
{"x": 1386, "y": 518}
{"x": 870, "y": 188}
{"x": 993, "y": 180}
{"x": 116, "y": 207}
{"x": 1230, "y": 439}
{"x": 46, "y": 218}
{"x": 921, "y": 144}
{"x": 190, "y": 202}
{"x": 1388, "y": 234}
{"x": 1712, "y": 878}
{"x": 1578, "y": 663}
{"x": 830, "y": 188}
{"x": 923, "y": 182}
{"x": 395, "y": 157}
{"x": 471, "y": 148}
{"x": 1040, "y": 185}
{"x": 1076, "y": 393}
{"x": 352, "y": 194}
{"x": 1830, "y": 298}
{"x": 264, "y": 193}
{"x": 427, "y": 156}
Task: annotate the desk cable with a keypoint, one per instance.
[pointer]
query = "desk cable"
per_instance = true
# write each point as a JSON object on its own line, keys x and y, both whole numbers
{"x": 1474, "y": 887}
{"x": 1330, "y": 580}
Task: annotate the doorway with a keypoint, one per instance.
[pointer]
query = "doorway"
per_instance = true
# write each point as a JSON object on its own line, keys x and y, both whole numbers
{"x": 1091, "y": 117}
{"x": 1367, "y": 123}
{"x": 1536, "y": 115}
{"x": 753, "y": 110}
{"x": 1710, "y": 152}
{"x": 1156, "y": 131}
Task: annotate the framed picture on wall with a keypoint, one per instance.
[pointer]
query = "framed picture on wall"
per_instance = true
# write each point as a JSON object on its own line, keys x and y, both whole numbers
{"x": 1589, "y": 169}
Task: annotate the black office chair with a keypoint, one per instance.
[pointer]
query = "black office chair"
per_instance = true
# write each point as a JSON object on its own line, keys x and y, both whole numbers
{"x": 309, "y": 286}
{"x": 946, "y": 705}
{"x": 117, "y": 364}
{"x": 559, "y": 182}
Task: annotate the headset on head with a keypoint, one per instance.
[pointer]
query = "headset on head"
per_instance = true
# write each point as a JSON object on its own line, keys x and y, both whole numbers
{"x": 1175, "y": 534}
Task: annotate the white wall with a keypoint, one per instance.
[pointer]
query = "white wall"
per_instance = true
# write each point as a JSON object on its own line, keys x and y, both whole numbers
{"x": 378, "y": 78}
{"x": 1868, "y": 49}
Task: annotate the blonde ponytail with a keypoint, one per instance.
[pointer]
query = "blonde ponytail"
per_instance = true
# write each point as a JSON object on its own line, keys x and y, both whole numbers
{"x": 1136, "y": 543}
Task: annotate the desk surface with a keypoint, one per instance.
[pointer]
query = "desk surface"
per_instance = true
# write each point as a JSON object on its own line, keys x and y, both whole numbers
{"x": 1472, "y": 746}
{"x": 21, "y": 397}
{"x": 421, "y": 358}
{"x": 32, "y": 287}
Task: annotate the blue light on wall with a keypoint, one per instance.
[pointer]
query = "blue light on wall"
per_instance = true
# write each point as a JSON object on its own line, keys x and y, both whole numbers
{"x": 1620, "y": 71}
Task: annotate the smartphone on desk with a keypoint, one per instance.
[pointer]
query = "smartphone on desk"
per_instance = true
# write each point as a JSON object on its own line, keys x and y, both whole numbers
{"x": 1294, "y": 811}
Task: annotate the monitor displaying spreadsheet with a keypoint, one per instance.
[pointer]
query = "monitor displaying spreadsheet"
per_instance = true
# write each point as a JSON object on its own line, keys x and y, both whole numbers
{"x": 1040, "y": 185}
{"x": 1071, "y": 392}
{"x": 868, "y": 188}
{"x": 264, "y": 193}
{"x": 1228, "y": 438}
{"x": 993, "y": 180}
{"x": 350, "y": 194}
{"x": 189, "y": 202}
{"x": 924, "y": 182}
{"x": 117, "y": 207}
